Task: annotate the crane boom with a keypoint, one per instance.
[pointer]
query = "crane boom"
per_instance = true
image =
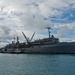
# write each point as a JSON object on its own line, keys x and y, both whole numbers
{"x": 32, "y": 37}
{"x": 26, "y": 38}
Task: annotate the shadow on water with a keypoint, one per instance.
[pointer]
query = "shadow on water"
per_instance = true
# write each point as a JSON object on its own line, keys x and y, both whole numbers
{"x": 72, "y": 55}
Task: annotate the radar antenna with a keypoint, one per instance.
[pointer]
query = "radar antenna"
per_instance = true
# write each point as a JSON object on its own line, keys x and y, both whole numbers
{"x": 49, "y": 28}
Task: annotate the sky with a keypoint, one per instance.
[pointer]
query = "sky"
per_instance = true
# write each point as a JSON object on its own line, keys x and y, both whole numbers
{"x": 32, "y": 16}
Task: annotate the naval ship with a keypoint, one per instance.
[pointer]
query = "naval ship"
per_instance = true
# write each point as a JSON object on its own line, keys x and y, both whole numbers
{"x": 50, "y": 45}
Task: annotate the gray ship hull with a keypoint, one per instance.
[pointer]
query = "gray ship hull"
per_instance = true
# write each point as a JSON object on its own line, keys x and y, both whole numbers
{"x": 52, "y": 49}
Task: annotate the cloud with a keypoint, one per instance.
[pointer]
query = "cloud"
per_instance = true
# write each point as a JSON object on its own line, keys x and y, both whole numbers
{"x": 4, "y": 30}
{"x": 34, "y": 15}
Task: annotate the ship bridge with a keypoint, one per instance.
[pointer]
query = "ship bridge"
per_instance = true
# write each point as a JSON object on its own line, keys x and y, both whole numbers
{"x": 51, "y": 39}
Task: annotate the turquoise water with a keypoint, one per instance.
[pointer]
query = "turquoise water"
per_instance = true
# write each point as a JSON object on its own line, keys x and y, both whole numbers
{"x": 37, "y": 64}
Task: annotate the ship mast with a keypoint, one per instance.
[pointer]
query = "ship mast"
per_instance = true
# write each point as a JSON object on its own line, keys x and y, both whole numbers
{"x": 14, "y": 38}
{"x": 49, "y": 28}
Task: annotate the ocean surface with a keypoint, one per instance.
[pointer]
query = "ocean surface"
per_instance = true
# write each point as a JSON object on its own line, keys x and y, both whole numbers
{"x": 37, "y": 64}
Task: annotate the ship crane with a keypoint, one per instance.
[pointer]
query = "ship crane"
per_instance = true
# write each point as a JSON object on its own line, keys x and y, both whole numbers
{"x": 28, "y": 40}
{"x": 32, "y": 37}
